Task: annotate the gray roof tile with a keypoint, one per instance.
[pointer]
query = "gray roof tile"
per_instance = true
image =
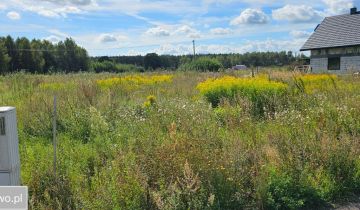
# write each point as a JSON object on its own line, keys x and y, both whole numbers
{"x": 336, "y": 31}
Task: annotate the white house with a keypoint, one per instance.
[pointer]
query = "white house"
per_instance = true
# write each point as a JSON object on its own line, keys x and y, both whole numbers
{"x": 335, "y": 44}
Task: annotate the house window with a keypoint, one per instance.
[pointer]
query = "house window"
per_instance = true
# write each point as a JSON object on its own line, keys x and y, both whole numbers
{"x": 334, "y": 63}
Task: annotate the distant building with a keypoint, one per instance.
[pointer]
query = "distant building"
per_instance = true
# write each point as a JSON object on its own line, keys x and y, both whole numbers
{"x": 335, "y": 44}
{"x": 239, "y": 67}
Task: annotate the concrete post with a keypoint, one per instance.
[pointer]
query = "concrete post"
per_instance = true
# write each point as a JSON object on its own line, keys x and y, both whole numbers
{"x": 9, "y": 148}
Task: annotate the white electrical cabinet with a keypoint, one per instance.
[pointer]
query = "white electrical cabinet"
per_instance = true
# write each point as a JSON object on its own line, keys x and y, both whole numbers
{"x": 9, "y": 148}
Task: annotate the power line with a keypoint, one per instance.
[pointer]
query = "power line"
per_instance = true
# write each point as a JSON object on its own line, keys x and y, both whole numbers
{"x": 139, "y": 46}
{"x": 97, "y": 49}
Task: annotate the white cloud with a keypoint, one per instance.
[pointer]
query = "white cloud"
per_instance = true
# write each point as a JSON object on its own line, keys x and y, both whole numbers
{"x": 57, "y": 12}
{"x": 13, "y": 15}
{"x": 299, "y": 34}
{"x": 250, "y": 16}
{"x": 185, "y": 29}
{"x": 297, "y": 14}
{"x": 158, "y": 31}
{"x": 48, "y": 13}
{"x": 128, "y": 7}
{"x": 108, "y": 38}
{"x": 53, "y": 39}
{"x": 188, "y": 31}
{"x": 51, "y": 13}
{"x": 248, "y": 46}
{"x": 81, "y": 2}
{"x": 69, "y": 10}
{"x": 274, "y": 45}
{"x": 48, "y": 8}
{"x": 169, "y": 49}
{"x": 74, "y": 2}
{"x": 336, "y": 7}
{"x": 220, "y": 31}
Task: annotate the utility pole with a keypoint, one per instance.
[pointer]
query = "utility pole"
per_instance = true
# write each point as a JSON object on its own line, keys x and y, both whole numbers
{"x": 194, "y": 49}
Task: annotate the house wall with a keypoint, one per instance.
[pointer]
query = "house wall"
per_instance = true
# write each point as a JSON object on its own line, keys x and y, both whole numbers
{"x": 347, "y": 64}
{"x": 319, "y": 64}
{"x": 349, "y": 59}
{"x": 351, "y": 63}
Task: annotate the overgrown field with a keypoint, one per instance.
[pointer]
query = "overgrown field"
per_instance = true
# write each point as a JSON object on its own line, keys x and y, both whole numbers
{"x": 188, "y": 140}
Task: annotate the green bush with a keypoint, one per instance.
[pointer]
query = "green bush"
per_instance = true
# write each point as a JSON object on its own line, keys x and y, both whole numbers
{"x": 285, "y": 192}
{"x": 202, "y": 64}
{"x": 262, "y": 93}
{"x": 110, "y": 66}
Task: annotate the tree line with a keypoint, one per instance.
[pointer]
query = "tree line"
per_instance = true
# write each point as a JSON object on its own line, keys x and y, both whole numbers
{"x": 154, "y": 61}
{"x": 41, "y": 56}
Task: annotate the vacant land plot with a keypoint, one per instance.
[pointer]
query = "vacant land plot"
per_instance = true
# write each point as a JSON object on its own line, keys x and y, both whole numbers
{"x": 188, "y": 140}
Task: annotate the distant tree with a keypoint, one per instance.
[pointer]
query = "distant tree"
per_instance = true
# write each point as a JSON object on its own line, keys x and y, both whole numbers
{"x": 82, "y": 57}
{"x": 49, "y": 56}
{"x": 185, "y": 59}
{"x": 202, "y": 64}
{"x": 4, "y": 59}
{"x": 104, "y": 58}
{"x": 70, "y": 55}
{"x": 76, "y": 58}
{"x": 60, "y": 56}
{"x": 25, "y": 58}
{"x": 37, "y": 56}
{"x": 13, "y": 53}
{"x": 152, "y": 61}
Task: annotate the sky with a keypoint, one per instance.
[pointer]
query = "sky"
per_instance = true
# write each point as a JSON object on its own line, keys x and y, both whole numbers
{"x": 137, "y": 27}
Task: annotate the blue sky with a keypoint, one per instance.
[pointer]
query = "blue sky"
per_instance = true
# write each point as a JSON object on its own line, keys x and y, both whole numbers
{"x": 132, "y": 27}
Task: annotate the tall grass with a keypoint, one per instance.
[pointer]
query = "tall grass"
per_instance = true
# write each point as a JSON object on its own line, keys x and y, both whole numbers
{"x": 164, "y": 146}
{"x": 260, "y": 91}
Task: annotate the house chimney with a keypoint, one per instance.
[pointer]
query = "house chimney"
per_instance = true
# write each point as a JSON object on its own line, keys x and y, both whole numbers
{"x": 353, "y": 11}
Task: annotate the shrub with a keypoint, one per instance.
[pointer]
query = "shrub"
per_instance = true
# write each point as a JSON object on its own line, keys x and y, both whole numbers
{"x": 259, "y": 91}
{"x": 284, "y": 192}
{"x": 152, "y": 61}
{"x": 110, "y": 66}
{"x": 202, "y": 64}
